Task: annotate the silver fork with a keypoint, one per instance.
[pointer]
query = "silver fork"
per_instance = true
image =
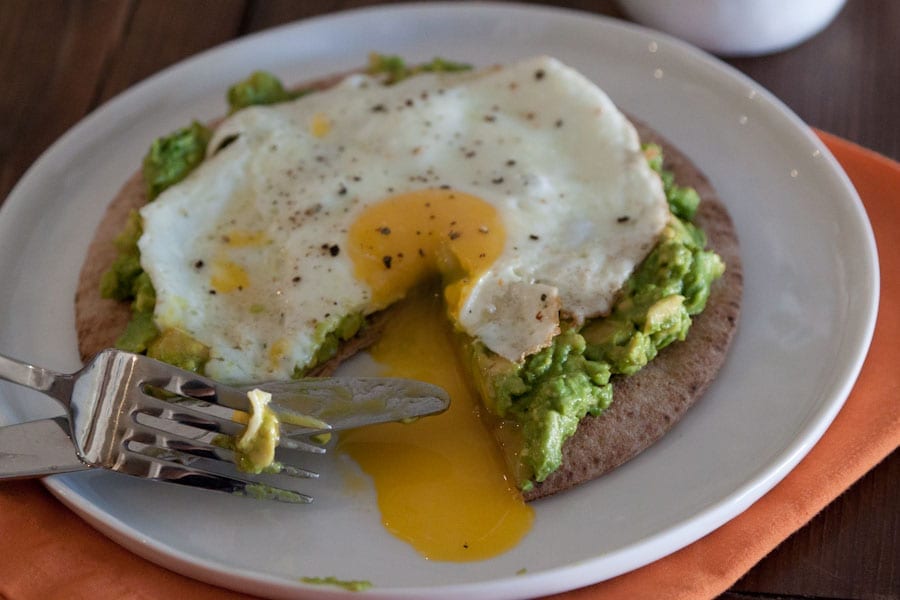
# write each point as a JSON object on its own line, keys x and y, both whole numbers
{"x": 135, "y": 415}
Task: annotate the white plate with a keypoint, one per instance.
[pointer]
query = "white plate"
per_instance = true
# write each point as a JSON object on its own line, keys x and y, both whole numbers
{"x": 809, "y": 309}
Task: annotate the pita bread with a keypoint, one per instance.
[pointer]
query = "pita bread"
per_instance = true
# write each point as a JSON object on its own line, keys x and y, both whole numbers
{"x": 645, "y": 405}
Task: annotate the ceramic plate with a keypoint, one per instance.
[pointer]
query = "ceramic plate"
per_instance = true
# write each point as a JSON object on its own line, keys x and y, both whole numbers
{"x": 809, "y": 308}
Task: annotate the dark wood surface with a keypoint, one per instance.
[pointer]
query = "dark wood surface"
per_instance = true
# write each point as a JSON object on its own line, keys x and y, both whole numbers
{"x": 60, "y": 59}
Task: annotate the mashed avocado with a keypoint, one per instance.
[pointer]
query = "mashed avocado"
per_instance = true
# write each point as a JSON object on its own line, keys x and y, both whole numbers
{"x": 395, "y": 68}
{"x": 550, "y": 391}
{"x": 169, "y": 160}
{"x": 118, "y": 283}
{"x": 351, "y": 585}
{"x": 172, "y": 157}
{"x": 177, "y": 348}
{"x": 260, "y": 88}
{"x": 255, "y": 447}
{"x": 331, "y": 334}
{"x": 126, "y": 280}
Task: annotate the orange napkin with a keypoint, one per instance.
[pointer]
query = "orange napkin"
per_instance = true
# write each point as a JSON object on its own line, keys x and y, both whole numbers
{"x": 50, "y": 553}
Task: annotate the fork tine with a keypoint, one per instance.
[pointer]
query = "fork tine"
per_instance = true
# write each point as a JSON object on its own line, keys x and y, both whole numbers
{"x": 300, "y": 445}
{"x": 206, "y": 420}
{"x": 145, "y": 433}
{"x": 182, "y": 475}
{"x": 188, "y": 415}
{"x": 180, "y": 453}
{"x": 150, "y": 462}
{"x": 220, "y": 397}
{"x": 153, "y": 436}
{"x": 191, "y": 385}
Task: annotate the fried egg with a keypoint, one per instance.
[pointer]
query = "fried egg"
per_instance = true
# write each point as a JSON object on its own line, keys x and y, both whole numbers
{"x": 523, "y": 188}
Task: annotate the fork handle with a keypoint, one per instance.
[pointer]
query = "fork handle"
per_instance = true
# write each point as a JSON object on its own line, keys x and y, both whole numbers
{"x": 55, "y": 385}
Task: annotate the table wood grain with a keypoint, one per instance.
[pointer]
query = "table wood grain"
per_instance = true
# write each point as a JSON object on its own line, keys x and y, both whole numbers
{"x": 59, "y": 60}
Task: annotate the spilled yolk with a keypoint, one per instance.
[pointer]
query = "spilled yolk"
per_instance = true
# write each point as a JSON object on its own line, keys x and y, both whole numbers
{"x": 401, "y": 241}
{"x": 441, "y": 481}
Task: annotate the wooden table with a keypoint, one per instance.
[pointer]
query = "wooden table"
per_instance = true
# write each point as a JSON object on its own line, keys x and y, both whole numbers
{"x": 60, "y": 59}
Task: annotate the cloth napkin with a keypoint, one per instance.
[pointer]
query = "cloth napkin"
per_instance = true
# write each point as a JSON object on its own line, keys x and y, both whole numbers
{"x": 51, "y": 553}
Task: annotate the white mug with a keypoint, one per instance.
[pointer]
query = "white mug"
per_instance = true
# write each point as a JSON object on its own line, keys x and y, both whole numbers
{"x": 736, "y": 27}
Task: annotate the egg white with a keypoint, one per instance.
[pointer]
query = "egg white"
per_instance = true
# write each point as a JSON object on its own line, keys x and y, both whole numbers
{"x": 248, "y": 254}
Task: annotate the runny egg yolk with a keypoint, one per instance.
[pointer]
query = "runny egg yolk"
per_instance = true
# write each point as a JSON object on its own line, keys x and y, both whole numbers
{"x": 441, "y": 481}
{"x": 408, "y": 238}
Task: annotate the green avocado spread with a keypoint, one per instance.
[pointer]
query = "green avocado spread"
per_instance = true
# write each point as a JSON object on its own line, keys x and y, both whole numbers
{"x": 260, "y": 88}
{"x": 552, "y": 390}
{"x": 394, "y": 68}
{"x": 172, "y": 157}
{"x": 549, "y": 392}
{"x": 354, "y": 585}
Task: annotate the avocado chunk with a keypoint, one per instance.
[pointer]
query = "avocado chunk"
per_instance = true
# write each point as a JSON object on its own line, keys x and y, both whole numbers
{"x": 331, "y": 335}
{"x": 353, "y": 585}
{"x": 127, "y": 240}
{"x": 171, "y": 158}
{"x": 683, "y": 201}
{"x": 117, "y": 282}
{"x": 260, "y": 88}
{"x": 395, "y": 69}
{"x": 140, "y": 331}
{"x": 144, "y": 294}
{"x": 255, "y": 447}
{"x": 177, "y": 348}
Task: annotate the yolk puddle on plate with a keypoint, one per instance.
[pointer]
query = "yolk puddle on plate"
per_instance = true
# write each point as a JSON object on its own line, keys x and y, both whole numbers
{"x": 441, "y": 481}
